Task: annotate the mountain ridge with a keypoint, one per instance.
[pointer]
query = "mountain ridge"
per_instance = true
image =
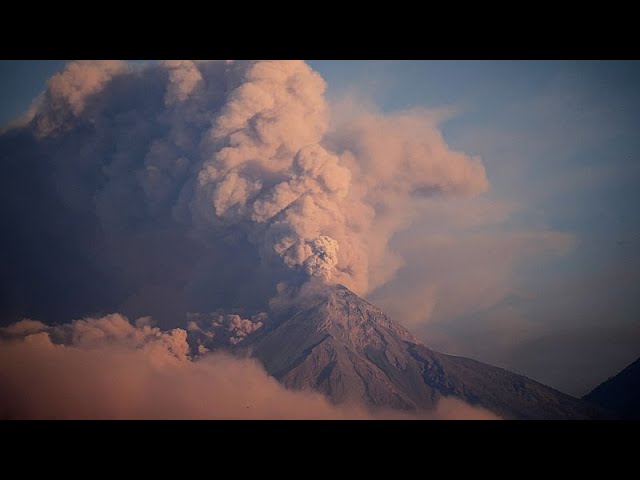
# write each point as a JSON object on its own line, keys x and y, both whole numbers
{"x": 619, "y": 394}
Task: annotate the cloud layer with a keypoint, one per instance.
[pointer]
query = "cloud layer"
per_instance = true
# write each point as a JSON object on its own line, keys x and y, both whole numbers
{"x": 107, "y": 368}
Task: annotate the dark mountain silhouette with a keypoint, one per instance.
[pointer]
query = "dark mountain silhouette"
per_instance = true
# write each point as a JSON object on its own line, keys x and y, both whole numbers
{"x": 339, "y": 344}
{"x": 620, "y": 394}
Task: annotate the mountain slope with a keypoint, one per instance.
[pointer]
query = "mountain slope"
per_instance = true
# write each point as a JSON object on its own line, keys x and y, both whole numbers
{"x": 620, "y": 394}
{"x": 346, "y": 348}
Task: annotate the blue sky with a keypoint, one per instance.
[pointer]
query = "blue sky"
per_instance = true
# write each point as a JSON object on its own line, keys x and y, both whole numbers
{"x": 559, "y": 140}
{"x": 21, "y": 81}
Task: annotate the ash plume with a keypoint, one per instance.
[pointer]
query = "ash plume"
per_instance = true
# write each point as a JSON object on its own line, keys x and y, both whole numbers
{"x": 170, "y": 186}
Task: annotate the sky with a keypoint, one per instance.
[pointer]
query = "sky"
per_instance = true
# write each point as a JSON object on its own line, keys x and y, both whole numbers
{"x": 559, "y": 141}
{"x": 530, "y": 264}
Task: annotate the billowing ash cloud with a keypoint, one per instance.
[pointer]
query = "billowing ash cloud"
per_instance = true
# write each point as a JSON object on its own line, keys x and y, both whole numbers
{"x": 183, "y": 181}
{"x": 107, "y": 368}
{"x": 213, "y": 330}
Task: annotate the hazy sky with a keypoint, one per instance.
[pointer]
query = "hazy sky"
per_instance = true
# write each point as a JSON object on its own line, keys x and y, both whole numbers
{"x": 539, "y": 274}
{"x": 560, "y": 142}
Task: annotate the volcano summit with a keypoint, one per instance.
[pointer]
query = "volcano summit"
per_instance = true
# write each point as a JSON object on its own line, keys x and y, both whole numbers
{"x": 339, "y": 344}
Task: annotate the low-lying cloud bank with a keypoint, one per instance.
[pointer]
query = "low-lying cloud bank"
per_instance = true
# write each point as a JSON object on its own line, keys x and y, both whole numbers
{"x": 107, "y": 368}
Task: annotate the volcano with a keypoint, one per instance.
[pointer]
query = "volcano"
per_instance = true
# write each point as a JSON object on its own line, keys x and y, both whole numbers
{"x": 338, "y": 344}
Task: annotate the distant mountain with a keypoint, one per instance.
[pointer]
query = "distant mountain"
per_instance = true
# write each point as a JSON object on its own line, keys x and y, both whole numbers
{"x": 620, "y": 394}
{"x": 341, "y": 345}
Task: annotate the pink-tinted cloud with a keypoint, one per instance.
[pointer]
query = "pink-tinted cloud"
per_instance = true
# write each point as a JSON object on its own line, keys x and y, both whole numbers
{"x": 247, "y": 146}
{"x": 67, "y": 92}
{"x": 107, "y": 368}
